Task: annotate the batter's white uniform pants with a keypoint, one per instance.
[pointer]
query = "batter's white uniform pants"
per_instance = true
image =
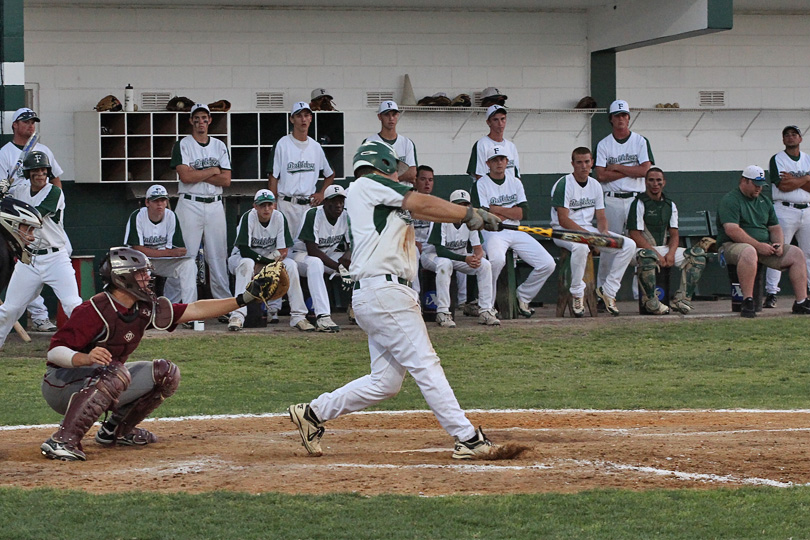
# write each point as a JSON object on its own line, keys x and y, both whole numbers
{"x": 398, "y": 343}
{"x": 183, "y": 271}
{"x": 242, "y": 270}
{"x": 313, "y": 269}
{"x": 37, "y": 309}
{"x": 53, "y": 269}
{"x": 206, "y": 221}
{"x": 794, "y": 223}
{"x": 443, "y": 267}
{"x": 529, "y": 250}
{"x": 615, "y": 262}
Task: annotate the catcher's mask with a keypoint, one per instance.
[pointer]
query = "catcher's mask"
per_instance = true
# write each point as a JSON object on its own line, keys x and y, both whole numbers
{"x": 36, "y": 160}
{"x": 17, "y": 223}
{"x": 380, "y": 156}
{"x": 129, "y": 270}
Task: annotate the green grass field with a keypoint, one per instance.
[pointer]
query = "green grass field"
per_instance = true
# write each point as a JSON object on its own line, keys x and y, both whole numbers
{"x": 676, "y": 364}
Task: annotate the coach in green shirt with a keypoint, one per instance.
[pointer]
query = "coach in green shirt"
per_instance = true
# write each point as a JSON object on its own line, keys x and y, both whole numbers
{"x": 750, "y": 233}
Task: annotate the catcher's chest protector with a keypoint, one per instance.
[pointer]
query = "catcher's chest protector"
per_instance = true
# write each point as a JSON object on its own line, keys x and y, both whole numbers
{"x": 123, "y": 331}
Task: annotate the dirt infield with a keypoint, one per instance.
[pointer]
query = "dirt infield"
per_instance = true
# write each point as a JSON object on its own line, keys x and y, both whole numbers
{"x": 407, "y": 453}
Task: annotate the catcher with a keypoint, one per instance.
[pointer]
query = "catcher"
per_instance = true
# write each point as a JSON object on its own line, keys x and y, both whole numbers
{"x": 86, "y": 374}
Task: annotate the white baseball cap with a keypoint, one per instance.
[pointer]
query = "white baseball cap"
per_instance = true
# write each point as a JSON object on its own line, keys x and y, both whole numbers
{"x": 496, "y": 151}
{"x": 198, "y": 106}
{"x": 299, "y": 106}
{"x": 156, "y": 192}
{"x": 755, "y": 173}
{"x": 334, "y": 191}
{"x": 386, "y": 106}
{"x": 318, "y": 92}
{"x": 24, "y": 114}
{"x": 495, "y": 108}
{"x": 459, "y": 196}
{"x": 492, "y": 92}
{"x": 263, "y": 196}
{"x": 619, "y": 106}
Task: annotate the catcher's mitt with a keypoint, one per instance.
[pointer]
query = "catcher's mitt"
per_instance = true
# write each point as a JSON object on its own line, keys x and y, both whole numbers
{"x": 223, "y": 105}
{"x": 322, "y": 103}
{"x": 108, "y": 103}
{"x": 586, "y": 103}
{"x": 179, "y": 104}
{"x": 708, "y": 244}
{"x": 270, "y": 283}
{"x": 439, "y": 99}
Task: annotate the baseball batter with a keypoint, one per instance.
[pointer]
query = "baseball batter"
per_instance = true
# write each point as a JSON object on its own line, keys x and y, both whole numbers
{"x": 790, "y": 176}
{"x": 263, "y": 237}
{"x": 51, "y": 263}
{"x": 384, "y": 261}
{"x": 496, "y": 120}
{"x": 503, "y": 195}
{"x": 204, "y": 168}
{"x": 576, "y": 200}
{"x": 388, "y": 113}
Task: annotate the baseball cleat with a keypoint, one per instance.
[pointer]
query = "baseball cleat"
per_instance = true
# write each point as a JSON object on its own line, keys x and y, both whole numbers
{"x": 350, "y": 314}
{"x": 681, "y": 305}
{"x": 304, "y": 326}
{"x": 476, "y": 448}
{"x": 272, "y": 316}
{"x": 445, "y": 320}
{"x": 42, "y": 325}
{"x": 470, "y": 309}
{"x": 224, "y": 319}
{"x": 524, "y": 309}
{"x": 610, "y": 302}
{"x": 655, "y": 307}
{"x": 578, "y": 306}
{"x": 137, "y": 437}
{"x": 487, "y": 317}
{"x": 52, "y": 449}
{"x": 770, "y": 301}
{"x": 324, "y": 323}
{"x": 747, "y": 309}
{"x": 235, "y": 324}
{"x": 802, "y": 308}
{"x": 309, "y": 427}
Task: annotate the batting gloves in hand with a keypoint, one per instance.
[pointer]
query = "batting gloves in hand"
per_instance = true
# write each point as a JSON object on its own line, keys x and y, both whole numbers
{"x": 4, "y": 186}
{"x": 346, "y": 281}
{"x": 478, "y": 219}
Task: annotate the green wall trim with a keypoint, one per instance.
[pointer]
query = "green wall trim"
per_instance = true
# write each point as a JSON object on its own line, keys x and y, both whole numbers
{"x": 603, "y": 90}
{"x": 721, "y": 14}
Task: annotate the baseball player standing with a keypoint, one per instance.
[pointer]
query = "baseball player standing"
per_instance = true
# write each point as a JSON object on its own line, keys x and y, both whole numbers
{"x": 155, "y": 231}
{"x": 790, "y": 176}
{"x": 576, "y": 199}
{"x": 388, "y": 114}
{"x": 204, "y": 168}
{"x": 51, "y": 263}
{"x": 23, "y": 125}
{"x": 503, "y": 195}
{"x": 478, "y": 166}
{"x": 384, "y": 262}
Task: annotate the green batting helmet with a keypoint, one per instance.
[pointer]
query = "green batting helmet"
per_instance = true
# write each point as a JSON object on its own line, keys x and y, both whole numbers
{"x": 380, "y": 156}
{"x": 36, "y": 160}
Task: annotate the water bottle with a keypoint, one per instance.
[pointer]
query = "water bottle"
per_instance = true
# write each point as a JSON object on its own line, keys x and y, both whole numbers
{"x": 129, "y": 98}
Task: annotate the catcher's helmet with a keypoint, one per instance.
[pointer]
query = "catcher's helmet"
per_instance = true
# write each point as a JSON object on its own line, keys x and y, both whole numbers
{"x": 36, "y": 160}
{"x": 13, "y": 215}
{"x": 120, "y": 268}
{"x": 380, "y": 156}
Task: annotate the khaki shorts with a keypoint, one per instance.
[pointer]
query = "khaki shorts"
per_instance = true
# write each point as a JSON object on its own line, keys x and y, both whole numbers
{"x": 732, "y": 251}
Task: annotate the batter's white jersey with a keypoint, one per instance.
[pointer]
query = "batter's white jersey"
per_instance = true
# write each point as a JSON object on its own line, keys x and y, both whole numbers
{"x": 198, "y": 157}
{"x": 797, "y": 167}
{"x": 142, "y": 231}
{"x": 331, "y": 238}
{"x": 405, "y": 148}
{"x": 508, "y": 192}
{"x": 297, "y": 165}
{"x": 582, "y": 201}
{"x": 9, "y": 155}
{"x": 263, "y": 240}
{"x": 381, "y": 233}
{"x": 478, "y": 157}
{"x": 50, "y": 201}
{"x": 631, "y": 151}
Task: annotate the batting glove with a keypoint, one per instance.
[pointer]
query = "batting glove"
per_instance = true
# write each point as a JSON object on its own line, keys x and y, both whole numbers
{"x": 478, "y": 219}
{"x": 346, "y": 281}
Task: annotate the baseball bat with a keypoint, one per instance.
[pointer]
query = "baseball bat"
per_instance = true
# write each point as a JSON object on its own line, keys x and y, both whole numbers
{"x": 29, "y": 145}
{"x": 580, "y": 237}
{"x": 20, "y": 330}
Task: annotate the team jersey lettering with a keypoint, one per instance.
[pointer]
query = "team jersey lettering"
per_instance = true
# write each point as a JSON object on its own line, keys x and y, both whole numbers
{"x": 155, "y": 242}
{"x": 294, "y": 167}
{"x": 504, "y": 200}
{"x": 264, "y": 242}
{"x": 578, "y": 204}
{"x": 204, "y": 163}
{"x": 623, "y": 158}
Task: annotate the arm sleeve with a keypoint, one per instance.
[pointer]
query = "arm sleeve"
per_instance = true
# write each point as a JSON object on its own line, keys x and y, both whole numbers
{"x": 558, "y": 198}
{"x": 648, "y": 149}
{"x": 673, "y": 221}
{"x": 471, "y": 165}
{"x": 131, "y": 236}
{"x": 635, "y": 216}
{"x": 285, "y": 236}
{"x": 601, "y": 155}
{"x": 177, "y": 237}
{"x": 307, "y": 233}
{"x": 773, "y": 171}
{"x": 325, "y": 167}
{"x": 177, "y": 156}
{"x": 442, "y": 251}
{"x": 727, "y": 212}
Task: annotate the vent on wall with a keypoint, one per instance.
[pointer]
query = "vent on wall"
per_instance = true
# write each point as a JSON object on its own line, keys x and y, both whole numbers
{"x": 373, "y": 99}
{"x": 269, "y": 100}
{"x": 477, "y": 99}
{"x": 712, "y": 98}
{"x": 155, "y": 101}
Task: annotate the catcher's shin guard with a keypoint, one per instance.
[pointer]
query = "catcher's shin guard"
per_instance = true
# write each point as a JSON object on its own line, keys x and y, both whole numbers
{"x": 691, "y": 270}
{"x": 89, "y": 403}
{"x": 647, "y": 260}
{"x": 167, "y": 378}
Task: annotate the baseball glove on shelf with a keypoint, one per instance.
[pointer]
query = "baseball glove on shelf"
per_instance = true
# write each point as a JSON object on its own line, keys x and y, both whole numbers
{"x": 222, "y": 105}
{"x": 461, "y": 100}
{"x": 269, "y": 284}
{"x": 179, "y": 104}
{"x": 322, "y": 103}
{"x": 108, "y": 103}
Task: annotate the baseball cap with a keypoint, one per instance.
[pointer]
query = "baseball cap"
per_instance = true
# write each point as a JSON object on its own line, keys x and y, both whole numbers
{"x": 387, "y": 105}
{"x": 496, "y": 151}
{"x": 619, "y": 106}
{"x": 755, "y": 173}
{"x": 459, "y": 196}
{"x": 198, "y": 106}
{"x": 263, "y": 196}
{"x": 495, "y": 108}
{"x": 791, "y": 128}
{"x": 492, "y": 92}
{"x": 24, "y": 114}
{"x": 318, "y": 92}
{"x": 334, "y": 191}
{"x": 299, "y": 106}
{"x": 156, "y": 192}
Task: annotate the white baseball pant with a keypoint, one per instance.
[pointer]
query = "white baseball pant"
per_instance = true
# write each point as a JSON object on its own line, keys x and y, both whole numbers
{"x": 206, "y": 221}
{"x": 37, "y": 310}
{"x": 53, "y": 269}
{"x": 313, "y": 269}
{"x": 616, "y": 211}
{"x": 242, "y": 269}
{"x": 183, "y": 271}
{"x": 443, "y": 267}
{"x": 529, "y": 250}
{"x": 294, "y": 214}
{"x": 794, "y": 223}
{"x": 614, "y": 260}
{"x": 398, "y": 343}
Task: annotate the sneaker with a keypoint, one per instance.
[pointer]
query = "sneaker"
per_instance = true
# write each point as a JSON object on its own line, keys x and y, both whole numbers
{"x": 41, "y": 325}
{"x": 524, "y": 309}
{"x": 445, "y": 320}
{"x": 487, "y": 317}
{"x": 304, "y": 326}
{"x": 324, "y": 323}
{"x": 235, "y": 324}
{"x": 610, "y": 302}
{"x": 770, "y": 301}
{"x": 470, "y": 309}
{"x": 138, "y": 437}
{"x": 578, "y": 306}
{"x": 476, "y": 448}
{"x": 272, "y": 316}
{"x": 803, "y": 307}
{"x": 747, "y": 309}
{"x": 52, "y": 449}
{"x": 350, "y": 314}
{"x": 655, "y": 307}
{"x": 681, "y": 305}
{"x": 224, "y": 319}
{"x": 309, "y": 427}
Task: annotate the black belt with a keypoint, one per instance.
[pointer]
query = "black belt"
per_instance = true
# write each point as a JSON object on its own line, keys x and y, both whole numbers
{"x": 620, "y": 195}
{"x": 202, "y": 199}
{"x": 44, "y": 251}
{"x": 388, "y": 277}
{"x": 296, "y": 200}
{"x": 797, "y": 206}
